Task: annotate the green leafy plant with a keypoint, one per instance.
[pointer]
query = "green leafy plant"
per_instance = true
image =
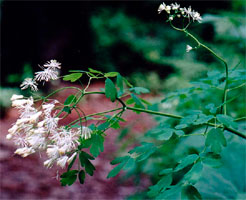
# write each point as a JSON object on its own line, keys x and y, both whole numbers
{"x": 210, "y": 117}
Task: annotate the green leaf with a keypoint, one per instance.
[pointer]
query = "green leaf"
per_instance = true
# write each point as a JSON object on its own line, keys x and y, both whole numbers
{"x": 81, "y": 176}
{"x": 202, "y": 119}
{"x": 211, "y": 107}
{"x": 72, "y": 77}
{"x": 227, "y": 121}
{"x": 119, "y": 83}
{"x": 166, "y": 134}
{"x": 162, "y": 184}
{"x": 215, "y": 139}
{"x": 94, "y": 71}
{"x": 83, "y": 155}
{"x": 127, "y": 83}
{"x": 211, "y": 159}
{"x": 84, "y": 161}
{"x": 143, "y": 152}
{"x": 181, "y": 126}
{"x": 69, "y": 100}
{"x": 97, "y": 144}
{"x": 139, "y": 90}
{"x": 188, "y": 160}
{"x": 68, "y": 178}
{"x": 110, "y": 90}
{"x": 89, "y": 168}
{"x": 111, "y": 74}
{"x": 166, "y": 194}
{"x": 137, "y": 101}
{"x": 166, "y": 171}
{"x": 129, "y": 101}
{"x": 103, "y": 126}
{"x": 125, "y": 163}
{"x": 194, "y": 174}
{"x": 146, "y": 102}
{"x": 189, "y": 192}
{"x": 67, "y": 109}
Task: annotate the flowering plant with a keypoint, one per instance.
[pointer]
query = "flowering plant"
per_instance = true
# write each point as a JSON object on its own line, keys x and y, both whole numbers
{"x": 38, "y": 128}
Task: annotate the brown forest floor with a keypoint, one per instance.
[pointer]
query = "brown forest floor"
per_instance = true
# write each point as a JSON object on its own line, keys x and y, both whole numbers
{"x": 27, "y": 178}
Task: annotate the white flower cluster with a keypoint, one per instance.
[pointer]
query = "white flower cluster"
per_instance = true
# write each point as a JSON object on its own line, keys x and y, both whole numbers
{"x": 38, "y": 130}
{"x": 50, "y": 72}
{"x": 175, "y": 10}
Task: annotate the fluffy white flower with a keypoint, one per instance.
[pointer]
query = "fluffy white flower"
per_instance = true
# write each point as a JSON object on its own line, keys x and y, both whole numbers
{"x": 86, "y": 132}
{"x": 15, "y": 97}
{"x": 25, "y": 151}
{"x": 161, "y": 8}
{"x": 62, "y": 161}
{"x": 175, "y": 6}
{"x": 20, "y": 140}
{"x": 40, "y": 124}
{"x": 196, "y": 16}
{"x": 49, "y": 163}
{"x": 19, "y": 102}
{"x": 33, "y": 118}
{"x": 52, "y": 151}
{"x": 9, "y": 136}
{"x": 168, "y": 9}
{"x": 71, "y": 158}
{"x": 51, "y": 123}
{"x": 13, "y": 129}
{"x": 188, "y": 48}
{"x": 29, "y": 82}
{"x": 46, "y": 75}
{"x": 48, "y": 107}
{"x": 21, "y": 121}
{"x": 171, "y": 18}
{"x": 188, "y": 12}
{"x": 66, "y": 138}
{"x": 37, "y": 141}
{"x": 53, "y": 64}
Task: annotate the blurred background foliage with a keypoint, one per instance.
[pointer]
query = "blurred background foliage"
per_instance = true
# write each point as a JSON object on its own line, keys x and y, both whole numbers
{"x": 131, "y": 38}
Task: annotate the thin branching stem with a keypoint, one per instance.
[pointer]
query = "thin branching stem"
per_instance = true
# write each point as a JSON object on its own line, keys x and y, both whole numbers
{"x": 224, "y": 98}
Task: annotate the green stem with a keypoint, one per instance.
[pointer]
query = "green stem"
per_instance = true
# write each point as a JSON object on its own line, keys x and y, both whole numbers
{"x": 58, "y": 90}
{"x": 180, "y": 117}
{"x": 217, "y": 56}
{"x": 93, "y": 114}
{"x": 162, "y": 114}
{"x": 154, "y": 112}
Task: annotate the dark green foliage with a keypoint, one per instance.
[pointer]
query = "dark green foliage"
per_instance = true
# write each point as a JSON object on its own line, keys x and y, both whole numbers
{"x": 96, "y": 144}
{"x": 189, "y": 192}
{"x": 162, "y": 184}
{"x": 215, "y": 139}
{"x": 68, "y": 178}
{"x": 139, "y": 90}
{"x": 70, "y": 99}
{"x": 67, "y": 109}
{"x": 142, "y": 152}
{"x": 211, "y": 159}
{"x": 111, "y": 74}
{"x": 227, "y": 121}
{"x": 190, "y": 159}
{"x": 124, "y": 163}
{"x": 110, "y": 90}
{"x": 72, "y": 77}
{"x": 84, "y": 161}
{"x": 81, "y": 176}
{"x": 119, "y": 82}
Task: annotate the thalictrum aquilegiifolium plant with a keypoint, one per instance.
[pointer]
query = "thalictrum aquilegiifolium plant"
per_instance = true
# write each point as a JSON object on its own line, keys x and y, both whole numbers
{"x": 37, "y": 128}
